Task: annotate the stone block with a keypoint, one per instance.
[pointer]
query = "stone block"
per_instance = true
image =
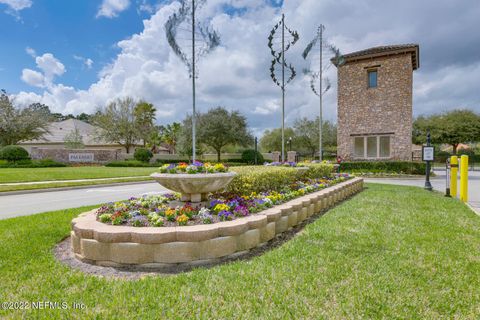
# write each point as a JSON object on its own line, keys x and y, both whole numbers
{"x": 218, "y": 247}
{"x": 131, "y": 253}
{"x": 93, "y": 250}
{"x": 176, "y": 252}
{"x": 292, "y": 219}
{"x": 197, "y": 233}
{"x": 75, "y": 243}
{"x": 273, "y": 214}
{"x": 268, "y": 232}
{"x": 281, "y": 225}
{"x": 248, "y": 240}
{"x": 302, "y": 215}
{"x": 232, "y": 228}
{"x": 256, "y": 221}
{"x": 152, "y": 235}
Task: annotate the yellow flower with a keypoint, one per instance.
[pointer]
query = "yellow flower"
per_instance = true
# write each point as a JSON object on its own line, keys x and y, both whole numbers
{"x": 219, "y": 167}
{"x": 220, "y": 207}
{"x": 170, "y": 212}
{"x": 183, "y": 219}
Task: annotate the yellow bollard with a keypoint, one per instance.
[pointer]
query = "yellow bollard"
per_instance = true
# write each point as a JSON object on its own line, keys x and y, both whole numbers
{"x": 464, "y": 178}
{"x": 453, "y": 176}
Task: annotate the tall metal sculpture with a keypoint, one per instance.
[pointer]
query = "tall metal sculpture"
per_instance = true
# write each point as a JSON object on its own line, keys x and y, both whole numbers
{"x": 279, "y": 44}
{"x": 314, "y": 51}
{"x": 190, "y": 40}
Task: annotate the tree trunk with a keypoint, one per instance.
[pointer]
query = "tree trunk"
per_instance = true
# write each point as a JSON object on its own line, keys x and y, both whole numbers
{"x": 454, "y": 148}
{"x": 127, "y": 148}
{"x": 218, "y": 155}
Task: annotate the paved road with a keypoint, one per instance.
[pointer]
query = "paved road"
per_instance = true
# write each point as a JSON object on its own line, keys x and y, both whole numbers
{"x": 26, "y": 204}
{"x": 31, "y": 203}
{"x": 438, "y": 183}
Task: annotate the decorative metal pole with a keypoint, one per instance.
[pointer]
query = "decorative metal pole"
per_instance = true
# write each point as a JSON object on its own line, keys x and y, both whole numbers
{"x": 318, "y": 75}
{"x": 201, "y": 39}
{"x": 283, "y": 87}
{"x": 194, "y": 114}
{"x": 320, "y": 146}
{"x": 279, "y": 58}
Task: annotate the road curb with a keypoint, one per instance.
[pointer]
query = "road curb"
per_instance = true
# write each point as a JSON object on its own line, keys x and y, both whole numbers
{"x": 19, "y": 192}
{"x": 475, "y": 210}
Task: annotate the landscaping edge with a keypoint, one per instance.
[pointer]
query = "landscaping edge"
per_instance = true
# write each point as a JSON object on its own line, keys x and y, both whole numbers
{"x": 163, "y": 247}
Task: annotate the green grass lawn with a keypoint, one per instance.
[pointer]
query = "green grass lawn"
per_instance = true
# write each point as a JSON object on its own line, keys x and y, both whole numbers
{"x": 390, "y": 252}
{"x": 9, "y": 175}
{"x": 60, "y": 184}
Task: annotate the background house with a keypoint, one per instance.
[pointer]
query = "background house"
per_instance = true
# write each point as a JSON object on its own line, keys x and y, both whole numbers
{"x": 58, "y": 133}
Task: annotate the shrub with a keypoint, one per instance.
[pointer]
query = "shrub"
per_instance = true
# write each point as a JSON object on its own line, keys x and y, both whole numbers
{"x": 130, "y": 163}
{"x": 248, "y": 156}
{"x": 13, "y": 153}
{"x": 318, "y": 170}
{"x": 142, "y": 154}
{"x": 405, "y": 167}
{"x": 45, "y": 163}
{"x": 261, "y": 179}
{"x": 442, "y": 156}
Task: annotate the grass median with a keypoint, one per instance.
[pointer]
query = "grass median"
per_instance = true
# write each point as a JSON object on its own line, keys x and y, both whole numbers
{"x": 13, "y": 175}
{"x": 389, "y": 252}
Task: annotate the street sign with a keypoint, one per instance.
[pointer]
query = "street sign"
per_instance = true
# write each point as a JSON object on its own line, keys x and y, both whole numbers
{"x": 428, "y": 153}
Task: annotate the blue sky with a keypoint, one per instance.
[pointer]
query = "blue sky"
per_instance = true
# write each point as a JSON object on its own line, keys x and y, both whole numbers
{"x": 78, "y": 55}
{"x": 69, "y": 29}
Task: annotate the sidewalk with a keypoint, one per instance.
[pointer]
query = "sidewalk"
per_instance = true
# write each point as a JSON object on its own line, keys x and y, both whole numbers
{"x": 68, "y": 181}
{"x": 438, "y": 184}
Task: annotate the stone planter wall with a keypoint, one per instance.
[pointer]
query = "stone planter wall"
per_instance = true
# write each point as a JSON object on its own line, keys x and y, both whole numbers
{"x": 97, "y": 243}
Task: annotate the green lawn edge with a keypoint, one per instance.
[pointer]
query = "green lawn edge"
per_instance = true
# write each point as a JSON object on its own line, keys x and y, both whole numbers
{"x": 389, "y": 252}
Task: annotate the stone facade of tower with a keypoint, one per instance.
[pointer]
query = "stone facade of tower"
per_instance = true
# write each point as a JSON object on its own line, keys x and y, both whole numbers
{"x": 375, "y": 103}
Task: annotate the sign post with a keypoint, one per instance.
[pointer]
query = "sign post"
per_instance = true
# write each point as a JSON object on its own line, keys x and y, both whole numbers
{"x": 428, "y": 152}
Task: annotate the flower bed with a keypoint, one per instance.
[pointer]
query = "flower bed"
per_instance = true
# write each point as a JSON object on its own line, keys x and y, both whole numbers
{"x": 195, "y": 168}
{"x": 163, "y": 248}
{"x": 154, "y": 211}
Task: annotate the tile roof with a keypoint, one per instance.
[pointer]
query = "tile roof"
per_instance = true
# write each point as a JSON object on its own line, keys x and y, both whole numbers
{"x": 385, "y": 50}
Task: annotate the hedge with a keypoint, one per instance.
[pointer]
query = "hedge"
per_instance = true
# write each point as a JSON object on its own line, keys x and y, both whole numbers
{"x": 405, "y": 167}
{"x": 130, "y": 163}
{"x": 318, "y": 170}
{"x": 262, "y": 178}
{"x": 45, "y": 163}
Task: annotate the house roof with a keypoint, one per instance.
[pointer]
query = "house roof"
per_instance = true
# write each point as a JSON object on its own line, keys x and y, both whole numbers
{"x": 58, "y": 130}
{"x": 381, "y": 51}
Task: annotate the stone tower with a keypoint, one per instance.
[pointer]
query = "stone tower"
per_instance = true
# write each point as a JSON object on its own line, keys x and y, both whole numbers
{"x": 375, "y": 103}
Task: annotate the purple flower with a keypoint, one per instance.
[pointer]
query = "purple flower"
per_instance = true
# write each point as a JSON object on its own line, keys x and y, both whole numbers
{"x": 138, "y": 221}
{"x": 259, "y": 201}
{"x": 213, "y": 203}
{"x": 225, "y": 215}
{"x": 241, "y": 211}
{"x": 232, "y": 203}
{"x": 171, "y": 166}
{"x": 197, "y": 163}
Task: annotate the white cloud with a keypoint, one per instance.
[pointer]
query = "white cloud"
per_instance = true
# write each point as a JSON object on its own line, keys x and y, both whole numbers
{"x": 111, "y": 8}
{"x": 17, "y": 5}
{"x": 31, "y": 52}
{"x": 33, "y": 78}
{"x": 145, "y": 6}
{"x": 236, "y": 74}
{"x": 50, "y": 66}
{"x": 86, "y": 62}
